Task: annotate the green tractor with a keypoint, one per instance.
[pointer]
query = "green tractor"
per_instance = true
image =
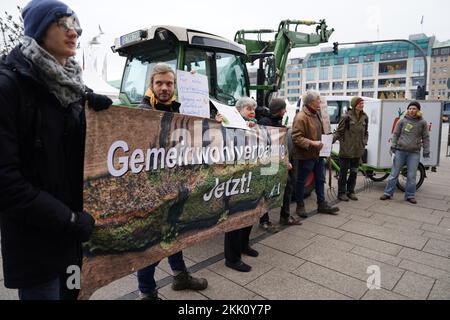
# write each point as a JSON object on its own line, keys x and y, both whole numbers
{"x": 221, "y": 60}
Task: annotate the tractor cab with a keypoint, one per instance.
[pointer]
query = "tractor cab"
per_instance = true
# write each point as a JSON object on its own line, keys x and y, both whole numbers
{"x": 221, "y": 60}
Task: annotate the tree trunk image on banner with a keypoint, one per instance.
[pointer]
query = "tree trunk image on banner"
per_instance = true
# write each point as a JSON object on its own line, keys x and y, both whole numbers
{"x": 159, "y": 182}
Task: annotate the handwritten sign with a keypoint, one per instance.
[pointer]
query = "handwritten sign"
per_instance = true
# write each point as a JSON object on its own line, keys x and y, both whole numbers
{"x": 231, "y": 117}
{"x": 193, "y": 94}
{"x": 327, "y": 141}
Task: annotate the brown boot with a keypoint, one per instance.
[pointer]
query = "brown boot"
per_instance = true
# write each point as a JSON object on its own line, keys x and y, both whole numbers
{"x": 184, "y": 281}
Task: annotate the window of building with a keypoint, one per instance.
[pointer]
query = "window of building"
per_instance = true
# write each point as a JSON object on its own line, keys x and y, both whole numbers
{"x": 352, "y": 85}
{"x": 442, "y": 92}
{"x": 293, "y": 99}
{"x": 337, "y": 72}
{"x": 339, "y": 85}
{"x": 433, "y": 82}
{"x": 281, "y": 93}
{"x": 368, "y": 84}
{"x": 311, "y": 64}
{"x": 323, "y": 74}
{"x": 353, "y": 94}
{"x": 433, "y": 93}
{"x": 325, "y": 86}
{"x": 419, "y": 81}
{"x": 418, "y": 66}
{"x": 338, "y": 61}
{"x": 368, "y": 70}
{"x": 368, "y": 94}
{"x": 353, "y": 59}
{"x": 352, "y": 71}
{"x": 310, "y": 74}
{"x": 445, "y": 51}
{"x": 325, "y": 63}
{"x": 293, "y": 91}
{"x": 434, "y": 70}
{"x": 392, "y": 83}
{"x": 293, "y": 83}
{"x": 369, "y": 58}
{"x": 311, "y": 86}
{"x": 394, "y": 55}
{"x": 392, "y": 68}
{"x": 293, "y": 75}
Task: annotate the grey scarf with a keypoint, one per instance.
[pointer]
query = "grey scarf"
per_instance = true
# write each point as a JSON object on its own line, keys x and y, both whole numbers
{"x": 65, "y": 82}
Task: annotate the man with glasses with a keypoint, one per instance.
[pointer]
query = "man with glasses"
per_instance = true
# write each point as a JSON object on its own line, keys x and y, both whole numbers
{"x": 42, "y": 136}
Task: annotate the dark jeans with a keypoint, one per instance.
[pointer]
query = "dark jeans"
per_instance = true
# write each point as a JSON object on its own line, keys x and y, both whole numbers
{"x": 236, "y": 242}
{"x": 346, "y": 186}
{"x": 305, "y": 167}
{"x": 55, "y": 289}
{"x": 285, "y": 209}
{"x": 146, "y": 276}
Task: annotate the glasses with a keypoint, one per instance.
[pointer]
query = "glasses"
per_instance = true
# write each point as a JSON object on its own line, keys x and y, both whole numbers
{"x": 68, "y": 24}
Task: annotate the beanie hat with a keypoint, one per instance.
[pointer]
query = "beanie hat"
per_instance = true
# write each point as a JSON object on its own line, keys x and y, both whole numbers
{"x": 415, "y": 103}
{"x": 277, "y": 105}
{"x": 39, "y": 14}
{"x": 355, "y": 101}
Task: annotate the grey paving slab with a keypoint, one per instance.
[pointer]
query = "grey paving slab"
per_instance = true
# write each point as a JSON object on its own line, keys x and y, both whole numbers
{"x": 299, "y": 232}
{"x": 441, "y": 291}
{"x": 205, "y": 250}
{"x": 241, "y": 278}
{"x": 334, "y": 280}
{"x": 441, "y": 214}
{"x": 116, "y": 289}
{"x": 385, "y": 234}
{"x": 350, "y": 264}
{"x": 425, "y": 270}
{"x": 398, "y": 221}
{"x": 396, "y": 227}
{"x": 437, "y": 236}
{"x": 281, "y": 285}
{"x": 286, "y": 242}
{"x": 407, "y": 212}
{"x": 323, "y": 230}
{"x": 425, "y": 258}
{"x": 277, "y": 258}
{"x": 7, "y": 294}
{"x": 374, "y": 244}
{"x": 436, "y": 229}
{"x": 362, "y": 204}
{"x": 221, "y": 288}
{"x": 445, "y": 223}
{"x": 435, "y": 204}
{"x": 383, "y": 295}
{"x": 424, "y": 194}
{"x": 356, "y": 211}
{"x": 333, "y": 243}
{"x": 382, "y": 257}
{"x": 414, "y": 285}
{"x": 366, "y": 220}
{"x": 329, "y": 221}
{"x": 438, "y": 247}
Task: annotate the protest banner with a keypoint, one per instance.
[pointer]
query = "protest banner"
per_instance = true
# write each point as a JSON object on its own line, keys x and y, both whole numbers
{"x": 158, "y": 182}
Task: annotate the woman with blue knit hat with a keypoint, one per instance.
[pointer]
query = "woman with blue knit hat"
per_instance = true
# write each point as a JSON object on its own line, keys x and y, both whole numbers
{"x": 409, "y": 137}
{"x": 42, "y": 136}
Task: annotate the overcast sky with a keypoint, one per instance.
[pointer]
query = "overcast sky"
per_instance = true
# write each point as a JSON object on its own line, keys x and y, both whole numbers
{"x": 352, "y": 20}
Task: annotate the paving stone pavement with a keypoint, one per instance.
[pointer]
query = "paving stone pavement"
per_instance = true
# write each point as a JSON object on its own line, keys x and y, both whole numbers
{"x": 328, "y": 256}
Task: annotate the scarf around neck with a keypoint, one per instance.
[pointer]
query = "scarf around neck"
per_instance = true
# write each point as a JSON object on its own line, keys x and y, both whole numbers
{"x": 64, "y": 82}
{"x": 154, "y": 101}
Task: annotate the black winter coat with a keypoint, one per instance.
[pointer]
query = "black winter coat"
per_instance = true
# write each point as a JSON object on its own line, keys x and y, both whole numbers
{"x": 41, "y": 177}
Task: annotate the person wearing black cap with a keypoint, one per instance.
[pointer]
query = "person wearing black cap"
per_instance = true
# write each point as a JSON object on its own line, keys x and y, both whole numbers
{"x": 42, "y": 136}
{"x": 352, "y": 134}
{"x": 277, "y": 109}
{"x": 410, "y": 134}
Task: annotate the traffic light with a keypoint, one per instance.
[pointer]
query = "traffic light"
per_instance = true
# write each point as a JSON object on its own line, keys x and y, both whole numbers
{"x": 335, "y": 47}
{"x": 421, "y": 93}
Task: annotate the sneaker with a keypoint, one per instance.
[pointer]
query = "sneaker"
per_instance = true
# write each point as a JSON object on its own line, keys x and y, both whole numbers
{"x": 251, "y": 252}
{"x": 343, "y": 197}
{"x": 326, "y": 209}
{"x": 352, "y": 196}
{"x": 300, "y": 211}
{"x": 289, "y": 221}
{"x": 148, "y": 296}
{"x": 412, "y": 200}
{"x": 385, "y": 197}
{"x": 184, "y": 281}
{"x": 238, "y": 266}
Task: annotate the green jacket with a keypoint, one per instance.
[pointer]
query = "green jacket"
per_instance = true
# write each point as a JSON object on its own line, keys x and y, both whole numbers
{"x": 352, "y": 135}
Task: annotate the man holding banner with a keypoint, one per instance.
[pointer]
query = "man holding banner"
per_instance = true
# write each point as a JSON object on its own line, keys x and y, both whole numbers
{"x": 161, "y": 96}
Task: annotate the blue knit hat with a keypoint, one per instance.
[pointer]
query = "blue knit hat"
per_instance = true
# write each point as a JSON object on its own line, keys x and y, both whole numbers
{"x": 39, "y": 14}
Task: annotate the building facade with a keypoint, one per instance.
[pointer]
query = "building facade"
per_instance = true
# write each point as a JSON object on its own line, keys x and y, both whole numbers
{"x": 440, "y": 72}
{"x": 386, "y": 71}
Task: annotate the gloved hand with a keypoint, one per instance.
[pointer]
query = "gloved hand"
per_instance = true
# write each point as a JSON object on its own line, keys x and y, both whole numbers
{"x": 98, "y": 102}
{"x": 426, "y": 155}
{"x": 82, "y": 225}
